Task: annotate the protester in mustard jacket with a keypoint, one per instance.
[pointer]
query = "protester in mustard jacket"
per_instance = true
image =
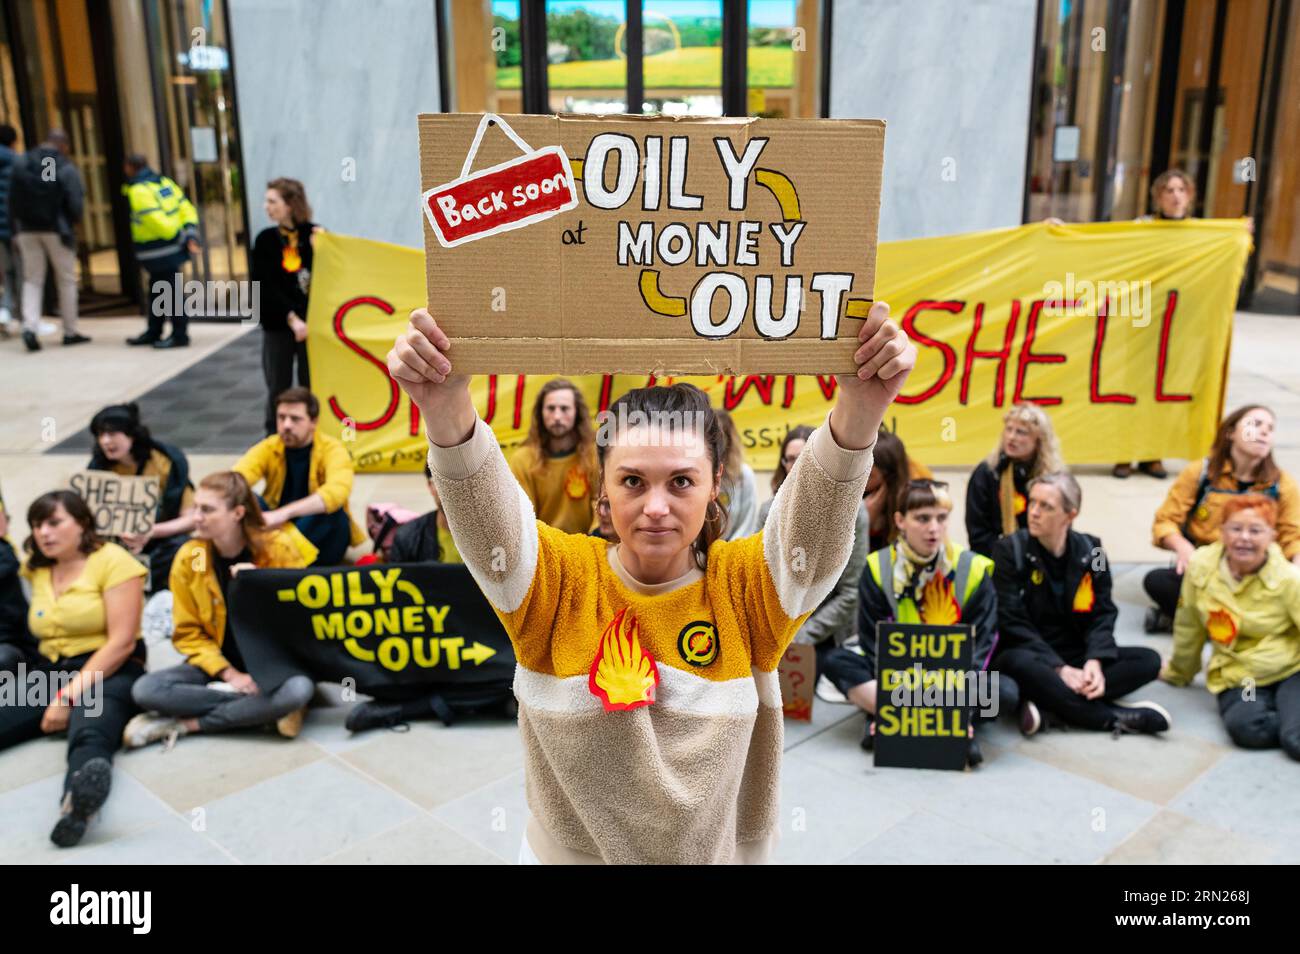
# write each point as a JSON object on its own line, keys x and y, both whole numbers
{"x": 308, "y": 477}
{"x": 212, "y": 691}
{"x": 1240, "y": 462}
{"x": 1244, "y": 596}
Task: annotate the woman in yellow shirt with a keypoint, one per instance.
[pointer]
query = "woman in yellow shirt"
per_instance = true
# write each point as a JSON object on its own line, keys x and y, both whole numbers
{"x": 649, "y": 706}
{"x": 85, "y": 613}
{"x": 212, "y": 691}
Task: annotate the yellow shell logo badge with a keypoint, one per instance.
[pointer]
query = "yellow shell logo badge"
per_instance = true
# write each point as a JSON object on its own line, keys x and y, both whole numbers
{"x": 1221, "y": 627}
{"x": 1036, "y": 577}
{"x": 938, "y": 605}
{"x": 698, "y": 643}
{"x": 575, "y": 483}
{"x": 623, "y": 675}
{"x": 1084, "y": 597}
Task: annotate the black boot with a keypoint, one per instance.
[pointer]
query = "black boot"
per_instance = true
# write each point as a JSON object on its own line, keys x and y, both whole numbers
{"x": 87, "y": 791}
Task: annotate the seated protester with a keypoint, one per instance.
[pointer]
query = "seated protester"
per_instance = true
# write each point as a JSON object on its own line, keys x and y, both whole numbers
{"x": 308, "y": 477}
{"x": 229, "y": 535}
{"x": 739, "y": 494}
{"x": 997, "y": 495}
{"x": 884, "y": 488}
{"x": 1240, "y": 462}
{"x": 426, "y": 539}
{"x": 792, "y": 446}
{"x": 16, "y": 642}
{"x": 556, "y": 463}
{"x": 1056, "y": 622}
{"x": 87, "y": 595}
{"x": 923, "y": 578}
{"x": 124, "y": 446}
{"x": 1244, "y": 595}
{"x": 604, "y": 522}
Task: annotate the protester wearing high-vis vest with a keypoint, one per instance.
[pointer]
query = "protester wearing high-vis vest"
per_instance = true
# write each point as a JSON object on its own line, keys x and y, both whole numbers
{"x": 164, "y": 231}
{"x": 923, "y": 577}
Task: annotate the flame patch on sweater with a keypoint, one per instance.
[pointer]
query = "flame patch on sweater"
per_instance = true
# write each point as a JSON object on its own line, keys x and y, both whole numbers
{"x": 623, "y": 675}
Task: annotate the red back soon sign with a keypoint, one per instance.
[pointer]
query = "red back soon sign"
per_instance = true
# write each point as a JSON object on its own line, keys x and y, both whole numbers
{"x": 508, "y": 196}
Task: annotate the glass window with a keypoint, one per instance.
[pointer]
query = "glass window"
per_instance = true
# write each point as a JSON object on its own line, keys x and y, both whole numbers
{"x": 586, "y": 56}
{"x": 683, "y": 57}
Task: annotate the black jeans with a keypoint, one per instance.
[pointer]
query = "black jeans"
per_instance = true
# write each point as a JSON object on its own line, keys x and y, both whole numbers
{"x": 281, "y": 357}
{"x": 96, "y": 721}
{"x": 1272, "y": 718}
{"x": 160, "y": 304}
{"x": 1040, "y": 684}
{"x": 1163, "y": 586}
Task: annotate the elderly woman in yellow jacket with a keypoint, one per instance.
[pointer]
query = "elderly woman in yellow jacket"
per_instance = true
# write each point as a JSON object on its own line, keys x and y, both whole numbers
{"x": 1240, "y": 462}
{"x": 212, "y": 691}
{"x": 1244, "y": 596}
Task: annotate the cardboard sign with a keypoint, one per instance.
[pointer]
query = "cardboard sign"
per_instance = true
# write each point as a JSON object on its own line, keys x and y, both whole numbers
{"x": 684, "y": 245}
{"x": 797, "y": 672}
{"x": 121, "y": 505}
{"x": 924, "y": 695}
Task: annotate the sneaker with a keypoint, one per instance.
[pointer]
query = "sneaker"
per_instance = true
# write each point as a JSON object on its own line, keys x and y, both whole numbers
{"x": 149, "y": 727}
{"x": 290, "y": 725}
{"x": 1122, "y": 471}
{"x": 32, "y": 342}
{"x": 1157, "y": 622}
{"x": 1153, "y": 468}
{"x": 172, "y": 342}
{"x": 868, "y": 735}
{"x": 1146, "y": 717}
{"x": 1030, "y": 719}
{"x": 87, "y": 791}
{"x": 142, "y": 340}
{"x": 75, "y": 339}
{"x": 374, "y": 715}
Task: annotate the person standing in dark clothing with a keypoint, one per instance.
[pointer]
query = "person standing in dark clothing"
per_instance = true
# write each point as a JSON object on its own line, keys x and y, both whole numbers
{"x": 282, "y": 262}
{"x": 1056, "y": 620}
{"x": 8, "y": 263}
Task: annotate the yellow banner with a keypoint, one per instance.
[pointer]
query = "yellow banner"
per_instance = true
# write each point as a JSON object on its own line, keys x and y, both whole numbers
{"x": 1120, "y": 330}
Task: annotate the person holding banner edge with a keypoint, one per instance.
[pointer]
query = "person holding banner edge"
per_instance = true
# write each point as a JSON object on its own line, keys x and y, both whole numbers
{"x": 212, "y": 691}
{"x": 703, "y": 709}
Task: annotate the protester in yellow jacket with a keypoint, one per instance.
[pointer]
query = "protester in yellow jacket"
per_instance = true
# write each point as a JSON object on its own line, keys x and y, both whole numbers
{"x": 308, "y": 477}
{"x": 212, "y": 691}
{"x": 1240, "y": 461}
{"x": 1244, "y": 596}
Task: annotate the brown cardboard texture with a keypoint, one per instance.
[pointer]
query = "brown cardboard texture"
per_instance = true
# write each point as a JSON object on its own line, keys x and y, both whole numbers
{"x": 586, "y": 244}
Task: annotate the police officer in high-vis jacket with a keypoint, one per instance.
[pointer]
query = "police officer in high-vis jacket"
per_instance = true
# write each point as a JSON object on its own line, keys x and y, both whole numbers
{"x": 164, "y": 229}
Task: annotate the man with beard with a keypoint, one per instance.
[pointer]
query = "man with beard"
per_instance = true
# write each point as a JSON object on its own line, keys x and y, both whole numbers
{"x": 556, "y": 463}
{"x": 308, "y": 477}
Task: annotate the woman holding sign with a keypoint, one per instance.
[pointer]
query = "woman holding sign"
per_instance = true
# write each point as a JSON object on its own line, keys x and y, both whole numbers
{"x": 922, "y": 578}
{"x": 648, "y": 697}
{"x": 212, "y": 691}
{"x": 87, "y": 595}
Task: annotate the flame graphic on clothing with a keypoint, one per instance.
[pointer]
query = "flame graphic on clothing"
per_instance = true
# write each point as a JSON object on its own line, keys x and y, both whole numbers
{"x": 290, "y": 259}
{"x": 1221, "y": 627}
{"x": 1084, "y": 597}
{"x": 623, "y": 675}
{"x": 575, "y": 483}
{"x": 939, "y": 607}
{"x": 1019, "y": 503}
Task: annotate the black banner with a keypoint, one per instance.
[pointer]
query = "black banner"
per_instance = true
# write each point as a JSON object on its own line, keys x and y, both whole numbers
{"x": 390, "y": 627}
{"x": 924, "y": 695}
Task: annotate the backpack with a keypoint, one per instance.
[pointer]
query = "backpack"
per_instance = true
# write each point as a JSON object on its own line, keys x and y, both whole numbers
{"x": 35, "y": 201}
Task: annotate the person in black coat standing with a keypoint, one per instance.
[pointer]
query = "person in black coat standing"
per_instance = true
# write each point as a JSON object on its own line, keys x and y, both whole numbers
{"x": 1056, "y": 620}
{"x": 282, "y": 261}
